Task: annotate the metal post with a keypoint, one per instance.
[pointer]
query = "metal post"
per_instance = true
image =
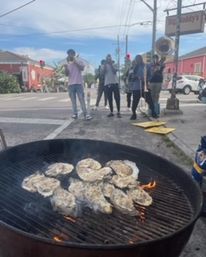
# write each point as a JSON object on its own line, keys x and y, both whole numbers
{"x": 118, "y": 58}
{"x": 154, "y": 27}
{"x": 173, "y": 102}
{"x": 126, "y": 45}
{"x": 154, "y": 11}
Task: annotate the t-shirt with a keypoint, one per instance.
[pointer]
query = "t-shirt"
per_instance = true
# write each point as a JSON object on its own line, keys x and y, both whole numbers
{"x": 75, "y": 72}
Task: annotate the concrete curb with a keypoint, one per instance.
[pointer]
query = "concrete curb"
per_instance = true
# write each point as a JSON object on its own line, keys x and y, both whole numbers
{"x": 189, "y": 152}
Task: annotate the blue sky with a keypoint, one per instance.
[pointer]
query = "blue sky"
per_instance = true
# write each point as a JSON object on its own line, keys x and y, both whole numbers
{"x": 45, "y": 29}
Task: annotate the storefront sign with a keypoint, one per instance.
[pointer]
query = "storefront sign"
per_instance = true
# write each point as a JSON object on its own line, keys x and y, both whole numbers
{"x": 193, "y": 22}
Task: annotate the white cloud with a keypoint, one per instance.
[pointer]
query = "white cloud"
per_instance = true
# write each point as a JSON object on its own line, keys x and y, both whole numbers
{"x": 55, "y": 16}
{"x": 49, "y": 16}
{"x": 38, "y": 54}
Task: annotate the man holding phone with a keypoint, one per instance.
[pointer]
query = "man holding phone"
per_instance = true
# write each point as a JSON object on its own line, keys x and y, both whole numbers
{"x": 73, "y": 70}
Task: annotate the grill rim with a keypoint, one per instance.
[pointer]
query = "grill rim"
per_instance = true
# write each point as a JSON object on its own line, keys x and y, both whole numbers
{"x": 93, "y": 246}
{"x": 128, "y": 148}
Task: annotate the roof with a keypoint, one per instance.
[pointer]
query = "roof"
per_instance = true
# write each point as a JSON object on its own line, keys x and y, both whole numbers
{"x": 12, "y": 57}
{"x": 198, "y": 52}
{"x": 9, "y": 57}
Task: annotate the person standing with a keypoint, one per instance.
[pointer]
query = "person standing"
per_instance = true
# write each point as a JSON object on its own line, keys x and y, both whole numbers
{"x": 101, "y": 87}
{"x": 73, "y": 70}
{"x": 137, "y": 83}
{"x": 128, "y": 65}
{"x": 155, "y": 75}
{"x": 111, "y": 84}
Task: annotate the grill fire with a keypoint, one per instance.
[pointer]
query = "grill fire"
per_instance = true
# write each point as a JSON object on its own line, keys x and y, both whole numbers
{"x": 150, "y": 185}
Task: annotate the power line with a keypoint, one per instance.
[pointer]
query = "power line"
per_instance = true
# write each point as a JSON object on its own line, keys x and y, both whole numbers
{"x": 85, "y": 29}
{"x": 13, "y": 10}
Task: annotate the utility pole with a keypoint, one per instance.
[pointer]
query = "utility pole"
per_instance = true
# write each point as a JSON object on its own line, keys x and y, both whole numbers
{"x": 154, "y": 25}
{"x": 118, "y": 58}
{"x": 173, "y": 102}
{"x": 126, "y": 45}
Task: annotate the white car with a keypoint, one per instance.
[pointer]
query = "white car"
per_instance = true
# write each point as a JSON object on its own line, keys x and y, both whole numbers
{"x": 186, "y": 84}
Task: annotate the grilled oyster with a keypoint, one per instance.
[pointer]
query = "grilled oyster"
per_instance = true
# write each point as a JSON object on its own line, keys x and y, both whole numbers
{"x": 64, "y": 202}
{"x": 123, "y": 182}
{"x": 120, "y": 168}
{"x": 59, "y": 168}
{"x": 140, "y": 196}
{"x": 123, "y": 203}
{"x": 89, "y": 163}
{"x": 29, "y": 183}
{"x": 91, "y": 195}
{"x": 47, "y": 186}
{"x": 107, "y": 189}
{"x": 77, "y": 188}
{"x": 91, "y": 175}
{"x": 96, "y": 199}
{"x": 135, "y": 170}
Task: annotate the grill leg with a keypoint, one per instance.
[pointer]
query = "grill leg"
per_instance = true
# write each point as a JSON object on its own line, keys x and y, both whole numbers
{"x": 3, "y": 141}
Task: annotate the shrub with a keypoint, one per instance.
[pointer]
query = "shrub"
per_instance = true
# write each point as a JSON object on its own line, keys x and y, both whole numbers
{"x": 8, "y": 84}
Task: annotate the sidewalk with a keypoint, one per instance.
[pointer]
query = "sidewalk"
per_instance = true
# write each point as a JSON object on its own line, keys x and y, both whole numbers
{"x": 121, "y": 130}
{"x": 190, "y": 126}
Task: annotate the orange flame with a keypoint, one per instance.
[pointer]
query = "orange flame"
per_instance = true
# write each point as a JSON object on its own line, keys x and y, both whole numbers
{"x": 149, "y": 185}
{"x": 57, "y": 239}
{"x": 70, "y": 219}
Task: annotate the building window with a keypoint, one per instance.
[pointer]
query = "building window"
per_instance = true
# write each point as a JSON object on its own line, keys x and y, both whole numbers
{"x": 198, "y": 67}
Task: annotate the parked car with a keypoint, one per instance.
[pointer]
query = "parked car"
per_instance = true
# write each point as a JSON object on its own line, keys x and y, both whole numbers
{"x": 186, "y": 84}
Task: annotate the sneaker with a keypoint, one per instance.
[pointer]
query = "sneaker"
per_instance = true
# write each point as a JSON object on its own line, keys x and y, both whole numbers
{"x": 110, "y": 115}
{"x": 74, "y": 116}
{"x": 119, "y": 115}
{"x": 88, "y": 117}
{"x": 154, "y": 115}
{"x": 133, "y": 117}
{"x": 106, "y": 107}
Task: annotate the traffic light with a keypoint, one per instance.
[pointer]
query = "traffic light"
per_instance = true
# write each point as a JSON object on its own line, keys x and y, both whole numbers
{"x": 42, "y": 63}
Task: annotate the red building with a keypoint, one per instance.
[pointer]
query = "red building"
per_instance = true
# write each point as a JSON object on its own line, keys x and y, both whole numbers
{"x": 30, "y": 74}
{"x": 193, "y": 63}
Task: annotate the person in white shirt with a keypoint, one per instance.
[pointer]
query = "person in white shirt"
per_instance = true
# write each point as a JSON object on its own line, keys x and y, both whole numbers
{"x": 73, "y": 70}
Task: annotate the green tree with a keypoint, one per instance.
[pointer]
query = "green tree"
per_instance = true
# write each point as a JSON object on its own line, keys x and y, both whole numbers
{"x": 8, "y": 84}
{"x": 89, "y": 79}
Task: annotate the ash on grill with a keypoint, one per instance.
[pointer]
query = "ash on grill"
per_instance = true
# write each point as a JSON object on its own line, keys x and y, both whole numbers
{"x": 102, "y": 189}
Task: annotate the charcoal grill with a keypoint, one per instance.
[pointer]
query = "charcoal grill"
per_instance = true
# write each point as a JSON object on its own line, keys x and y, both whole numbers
{"x": 30, "y": 228}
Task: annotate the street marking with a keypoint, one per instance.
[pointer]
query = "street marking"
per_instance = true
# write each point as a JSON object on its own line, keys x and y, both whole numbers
{"x": 29, "y": 98}
{"x": 64, "y": 100}
{"x": 31, "y": 121}
{"x": 57, "y": 131}
{"x": 46, "y": 98}
{"x": 12, "y": 98}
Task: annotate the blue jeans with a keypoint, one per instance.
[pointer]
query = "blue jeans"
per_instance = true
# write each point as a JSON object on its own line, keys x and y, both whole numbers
{"x": 77, "y": 90}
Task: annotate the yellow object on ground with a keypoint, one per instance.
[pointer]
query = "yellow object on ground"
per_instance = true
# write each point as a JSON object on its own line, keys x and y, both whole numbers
{"x": 149, "y": 124}
{"x": 160, "y": 130}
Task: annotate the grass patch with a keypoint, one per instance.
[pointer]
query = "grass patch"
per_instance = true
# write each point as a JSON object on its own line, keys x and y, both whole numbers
{"x": 178, "y": 152}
